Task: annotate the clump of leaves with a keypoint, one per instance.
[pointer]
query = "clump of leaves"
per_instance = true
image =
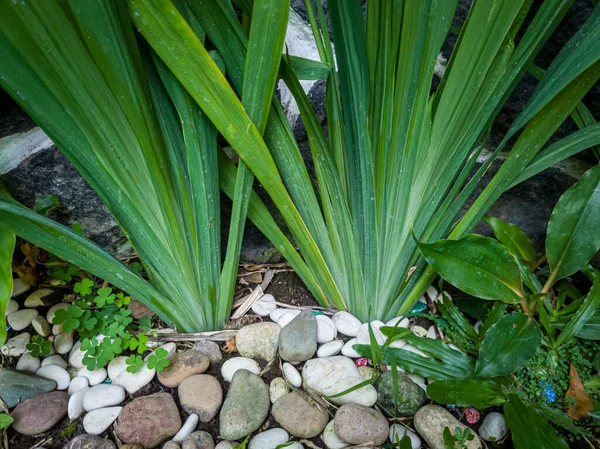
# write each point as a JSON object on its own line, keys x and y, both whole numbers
{"x": 134, "y": 363}
{"x": 460, "y": 439}
{"x": 39, "y": 346}
{"x": 5, "y": 420}
{"x": 158, "y": 360}
{"x": 70, "y": 429}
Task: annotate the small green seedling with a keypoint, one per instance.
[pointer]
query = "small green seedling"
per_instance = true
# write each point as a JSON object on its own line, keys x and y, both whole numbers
{"x": 134, "y": 363}
{"x": 460, "y": 439}
{"x": 5, "y": 420}
{"x": 39, "y": 346}
{"x": 158, "y": 360}
{"x": 84, "y": 287}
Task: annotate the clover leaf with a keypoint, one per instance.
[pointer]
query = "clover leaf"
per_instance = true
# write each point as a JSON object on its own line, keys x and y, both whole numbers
{"x": 139, "y": 343}
{"x": 144, "y": 323}
{"x": 134, "y": 363}
{"x": 68, "y": 318}
{"x": 39, "y": 346}
{"x": 84, "y": 287}
{"x": 158, "y": 360}
{"x": 122, "y": 300}
{"x": 5, "y": 420}
{"x": 104, "y": 296}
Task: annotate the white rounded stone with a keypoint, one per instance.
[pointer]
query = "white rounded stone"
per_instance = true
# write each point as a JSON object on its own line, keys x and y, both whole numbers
{"x": 229, "y": 368}
{"x": 188, "y": 427}
{"x": 76, "y": 356}
{"x": 349, "y": 351}
{"x": 95, "y": 377}
{"x": 16, "y": 346}
{"x": 269, "y": 439}
{"x": 55, "y": 359}
{"x": 363, "y": 337}
{"x": 41, "y": 326}
{"x": 104, "y": 395}
{"x": 432, "y": 293}
{"x": 397, "y": 432}
{"x": 57, "y": 329}
{"x": 78, "y": 384}
{"x": 294, "y": 445}
{"x": 97, "y": 421}
{"x": 53, "y": 309}
{"x": 116, "y": 366}
{"x": 75, "y": 407}
{"x": 132, "y": 382}
{"x": 346, "y": 323}
{"x": 56, "y": 373}
{"x": 19, "y": 287}
{"x": 278, "y": 388}
{"x": 398, "y": 321}
{"x": 275, "y": 314}
{"x": 333, "y": 375}
{"x": 418, "y": 331}
{"x": 29, "y": 363}
{"x": 20, "y": 319}
{"x": 265, "y": 305}
{"x": 329, "y": 349}
{"x": 494, "y": 427}
{"x": 419, "y": 380}
{"x": 63, "y": 342}
{"x": 291, "y": 374}
{"x": 326, "y": 330}
{"x": 330, "y": 438}
{"x": 35, "y": 298}
{"x": 287, "y": 317}
{"x": 11, "y": 307}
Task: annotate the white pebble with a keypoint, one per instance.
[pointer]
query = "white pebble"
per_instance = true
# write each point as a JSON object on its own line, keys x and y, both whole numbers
{"x": 20, "y": 319}
{"x": 11, "y": 307}
{"x": 75, "y": 407}
{"x": 116, "y": 366}
{"x": 326, "y": 330}
{"x": 411, "y": 348}
{"x": 170, "y": 347}
{"x": 188, "y": 427}
{"x": 363, "y": 336}
{"x": 97, "y": 421}
{"x": 57, "y": 329}
{"x": 105, "y": 395}
{"x": 265, "y": 305}
{"x": 78, "y": 384}
{"x": 276, "y": 314}
{"x": 41, "y": 326}
{"x": 133, "y": 382}
{"x": 398, "y": 321}
{"x": 29, "y": 363}
{"x": 19, "y": 287}
{"x": 291, "y": 374}
{"x": 346, "y": 323}
{"x": 287, "y": 317}
{"x": 330, "y": 438}
{"x": 63, "y": 342}
{"x": 418, "y": 331}
{"x": 227, "y": 444}
{"x": 397, "y": 432}
{"x": 349, "y": 351}
{"x": 419, "y": 380}
{"x": 55, "y": 359}
{"x": 331, "y": 348}
{"x": 398, "y": 344}
{"x": 477, "y": 326}
{"x": 269, "y": 439}
{"x": 35, "y": 299}
{"x": 432, "y": 293}
{"x": 232, "y": 365}
{"x": 95, "y": 377}
{"x": 56, "y": 373}
{"x": 493, "y": 428}
{"x": 17, "y": 345}
{"x": 278, "y": 388}
{"x": 76, "y": 356}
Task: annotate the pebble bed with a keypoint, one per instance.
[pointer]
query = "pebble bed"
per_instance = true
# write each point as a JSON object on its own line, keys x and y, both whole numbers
{"x": 311, "y": 354}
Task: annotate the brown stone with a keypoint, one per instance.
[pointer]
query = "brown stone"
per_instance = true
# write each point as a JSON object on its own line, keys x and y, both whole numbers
{"x": 300, "y": 414}
{"x": 40, "y": 413}
{"x": 198, "y": 440}
{"x": 183, "y": 365}
{"x": 357, "y": 424}
{"x": 86, "y": 441}
{"x": 201, "y": 394}
{"x": 149, "y": 420}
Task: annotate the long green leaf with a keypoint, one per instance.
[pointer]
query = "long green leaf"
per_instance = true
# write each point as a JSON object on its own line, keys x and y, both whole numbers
{"x": 477, "y": 265}
{"x": 466, "y": 393}
{"x": 515, "y": 240}
{"x": 508, "y": 345}
{"x": 7, "y": 247}
{"x": 570, "y": 241}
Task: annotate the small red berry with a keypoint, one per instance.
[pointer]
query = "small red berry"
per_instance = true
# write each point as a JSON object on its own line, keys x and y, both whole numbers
{"x": 362, "y": 362}
{"x": 472, "y": 415}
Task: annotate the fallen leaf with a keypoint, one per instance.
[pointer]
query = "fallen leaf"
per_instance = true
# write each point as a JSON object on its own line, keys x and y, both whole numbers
{"x": 26, "y": 274}
{"x": 254, "y": 278}
{"x": 230, "y": 346}
{"x": 32, "y": 254}
{"x": 583, "y": 404}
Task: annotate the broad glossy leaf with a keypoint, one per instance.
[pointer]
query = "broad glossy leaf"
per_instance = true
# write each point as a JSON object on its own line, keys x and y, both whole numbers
{"x": 529, "y": 429}
{"x": 586, "y": 311}
{"x": 571, "y": 239}
{"x": 515, "y": 240}
{"x": 508, "y": 345}
{"x": 7, "y": 247}
{"x": 477, "y": 265}
{"x": 466, "y": 393}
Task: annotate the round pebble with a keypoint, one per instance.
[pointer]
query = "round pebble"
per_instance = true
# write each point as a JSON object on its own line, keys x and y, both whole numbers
{"x": 265, "y": 305}
{"x": 95, "y": 377}
{"x": 201, "y": 394}
{"x": 326, "y": 330}
{"x": 278, "y": 388}
{"x": 493, "y": 428}
{"x": 29, "y": 363}
{"x": 41, "y": 326}
{"x": 287, "y": 317}
{"x": 182, "y": 366}
{"x": 346, "y": 323}
{"x": 349, "y": 351}
{"x": 329, "y": 349}
{"x": 105, "y": 395}
{"x": 398, "y": 321}
{"x": 292, "y": 375}
{"x": 188, "y": 427}
{"x": 16, "y": 346}
{"x": 97, "y": 421}
{"x": 397, "y": 432}
{"x": 330, "y": 438}
{"x": 363, "y": 337}
{"x": 76, "y": 408}
{"x": 235, "y": 363}
{"x": 11, "y": 307}
{"x": 57, "y": 374}
{"x": 77, "y": 384}
{"x": 269, "y": 439}
{"x": 20, "y": 319}
{"x": 19, "y": 287}
{"x": 63, "y": 342}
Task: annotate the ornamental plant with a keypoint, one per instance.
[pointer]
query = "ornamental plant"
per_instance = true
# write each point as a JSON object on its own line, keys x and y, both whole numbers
{"x": 393, "y": 167}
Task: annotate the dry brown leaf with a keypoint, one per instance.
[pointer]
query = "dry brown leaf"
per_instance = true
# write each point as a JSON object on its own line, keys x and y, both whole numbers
{"x": 583, "y": 404}
{"x": 254, "y": 278}
{"x": 32, "y": 254}
{"x": 230, "y": 346}
{"x": 26, "y": 274}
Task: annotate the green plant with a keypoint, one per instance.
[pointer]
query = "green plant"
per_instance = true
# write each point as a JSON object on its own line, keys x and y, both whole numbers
{"x": 459, "y": 440}
{"x": 134, "y": 363}
{"x": 158, "y": 360}
{"x": 5, "y": 420}
{"x": 7, "y": 247}
{"x": 147, "y": 149}
{"x": 39, "y": 346}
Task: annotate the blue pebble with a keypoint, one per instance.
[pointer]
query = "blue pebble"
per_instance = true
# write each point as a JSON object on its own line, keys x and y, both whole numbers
{"x": 418, "y": 307}
{"x": 451, "y": 407}
{"x": 548, "y": 391}
{"x": 107, "y": 381}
